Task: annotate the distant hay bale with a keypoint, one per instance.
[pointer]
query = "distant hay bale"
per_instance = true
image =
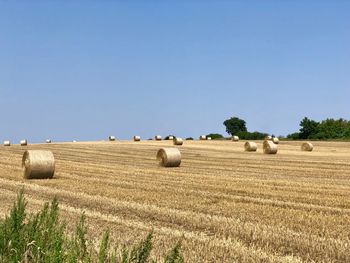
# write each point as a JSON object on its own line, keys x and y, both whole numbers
{"x": 137, "y": 138}
{"x": 209, "y": 138}
{"x": 38, "y": 164}
{"x": 170, "y": 137}
{"x": 307, "y": 147}
{"x": 250, "y": 147}
{"x": 7, "y": 143}
{"x": 74, "y": 141}
{"x": 158, "y": 138}
{"x": 269, "y": 147}
{"x": 235, "y": 138}
{"x": 275, "y": 140}
{"x": 111, "y": 138}
{"x": 169, "y": 157}
{"x": 178, "y": 141}
{"x": 202, "y": 137}
{"x": 48, "y": 141}
{"x": 23, "y": 142}
{"x": 268, "y": 138}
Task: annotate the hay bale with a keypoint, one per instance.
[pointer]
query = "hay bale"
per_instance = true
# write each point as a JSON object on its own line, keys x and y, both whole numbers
{"x": 23, "y": 142}
{"x": 7, "y": 143}
{"x": 275, "y": 140}
{"x": 268, "y": 138}
{"x": 269, "y": 147}
{"x": 48, "y": 141}
{"x": 178, "y": 141}
{"x": 158, "y": 138}
{"x": 235, "y": 138}
{"x": 137, "y": 138}
{"x": 250, "y": 147}
{"x": 74, "y": 141}
{"x": 307, "y": 147}
{"x": 111, "y": 138}
{"x": 169, "y": 157}
{"x": 170, "y": 137}
{"x": 202, "y": 137}
{"x": 209, "y": 138}
{"x": 38, "y": 164}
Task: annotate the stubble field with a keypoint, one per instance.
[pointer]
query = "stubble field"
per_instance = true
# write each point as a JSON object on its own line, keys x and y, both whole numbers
{"x": 226, "y": 205}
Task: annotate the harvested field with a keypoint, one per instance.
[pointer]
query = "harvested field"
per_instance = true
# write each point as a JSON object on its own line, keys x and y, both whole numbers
{"x": 227, "y": 205}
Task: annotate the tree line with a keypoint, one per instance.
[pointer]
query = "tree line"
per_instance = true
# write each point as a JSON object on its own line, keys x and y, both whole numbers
{"x": 309, "y": 129}
{"x": 323, "y": 130}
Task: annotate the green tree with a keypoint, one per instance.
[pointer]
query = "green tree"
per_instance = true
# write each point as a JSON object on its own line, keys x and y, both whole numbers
{"x": 251, "y": 135}
{"x": 294, "y": 136}
{"x": 332, "y": 129}
{"x": 215, "y": 136}
{"x": 309, "y": 128}
{"x": 235, "y": 125}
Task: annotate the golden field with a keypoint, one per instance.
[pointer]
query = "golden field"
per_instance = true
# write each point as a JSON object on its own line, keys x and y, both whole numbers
{"x": 226, "y": 205}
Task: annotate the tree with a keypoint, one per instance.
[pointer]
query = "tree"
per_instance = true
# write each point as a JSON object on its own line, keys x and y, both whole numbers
{"x": 332, "y": 129}
{"x": 309, "y": 128}
{"x": 252, "y": 135}
{"x": 235, "y": 125}
{"x": 215, "y": 136}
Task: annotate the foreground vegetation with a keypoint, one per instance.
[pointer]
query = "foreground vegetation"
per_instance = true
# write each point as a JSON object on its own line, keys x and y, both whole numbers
{"x": 42, "y": 237}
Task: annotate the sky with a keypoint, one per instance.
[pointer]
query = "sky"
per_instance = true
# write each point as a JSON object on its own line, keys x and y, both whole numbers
{"x": 85, "y": 70}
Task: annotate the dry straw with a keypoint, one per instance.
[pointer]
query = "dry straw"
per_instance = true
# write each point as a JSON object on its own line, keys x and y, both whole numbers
{"x": 111, "y": 138}
{"x": 178, "y": 141}
{"x": 235, "y": 138}
{"x": 7, "y": 143}
{"x": 158, "y": 138}
{"x": 169, "y": 157}
{"x": 269, "y": 147}
{"x": 275, "y": 140}
{"x": 23, "y": 142}
{"x": 48, "y": 141}
{"x": 38, "y": 164}
{"x": 137, "y": 138}
{"x": 307, "y": 147}
{"x": 250, "y": 146}
{"x": 202, "y": 137}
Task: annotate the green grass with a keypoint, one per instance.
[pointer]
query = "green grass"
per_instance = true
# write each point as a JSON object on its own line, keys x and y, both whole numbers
{"x": 42, "y": 237}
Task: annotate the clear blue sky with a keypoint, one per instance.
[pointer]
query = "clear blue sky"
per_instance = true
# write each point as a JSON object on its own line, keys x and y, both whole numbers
{"x": 88, "y": 69}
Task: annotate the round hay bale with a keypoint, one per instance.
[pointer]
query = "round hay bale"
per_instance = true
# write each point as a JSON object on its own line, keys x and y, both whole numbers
{"x": 235, "y": 138}
{"x": 169, "y": 157}
{"x": 178, "y": 141}
{"x": 250, "y": 147}
{"x": 137, "y": 138}
{"x": 269, "y": 147}
{"x": 170, "y": 137}
{"x": 7, "y": 143}
{"x": 74, "y": 141}
{"x": 202, "y": 137}
{"x": 275, "y": 140}
{"x": 307, "y": 147}
{"x": 111, "y": 138}
{"x": 268, "y": 138}
{"x": 209, "y": 138}
{"x": 48, "y": 141}
{"x": 23, "y": 142}
{"x": 158, "y": 138}
{"x": 38, "y": 164}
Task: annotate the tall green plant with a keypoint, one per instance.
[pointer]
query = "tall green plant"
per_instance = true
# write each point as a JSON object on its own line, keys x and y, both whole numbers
{"x": 43, "y": 238}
